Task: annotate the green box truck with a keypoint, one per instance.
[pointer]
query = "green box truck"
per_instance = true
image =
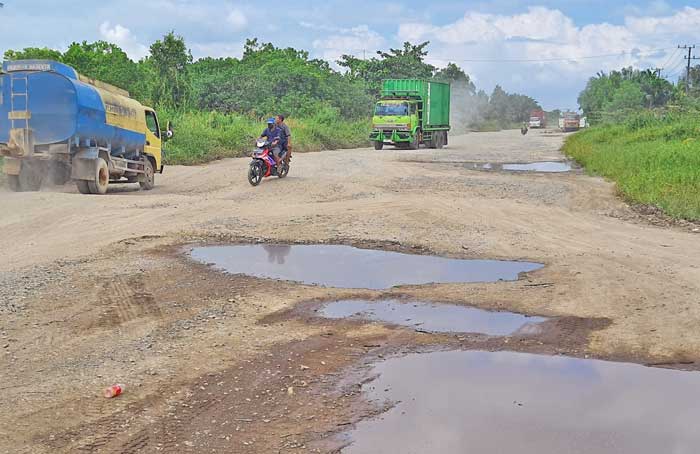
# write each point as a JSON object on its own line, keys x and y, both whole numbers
{"x": 411, "y": 112}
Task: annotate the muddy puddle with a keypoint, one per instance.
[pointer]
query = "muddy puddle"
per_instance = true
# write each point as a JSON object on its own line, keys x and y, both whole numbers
{"x": 432, "y": 317}
{"x": 349, "y": 267}
{"x": 504, "y": 402}
{"x": 544, "y": 167}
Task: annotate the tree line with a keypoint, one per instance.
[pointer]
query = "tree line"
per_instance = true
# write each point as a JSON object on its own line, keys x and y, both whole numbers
{"x": 612, "y": 96}
{"x": 269, "y": 79}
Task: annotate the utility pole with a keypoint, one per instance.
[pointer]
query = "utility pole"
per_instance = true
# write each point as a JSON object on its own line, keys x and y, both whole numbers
{"x": 687, "y": 71}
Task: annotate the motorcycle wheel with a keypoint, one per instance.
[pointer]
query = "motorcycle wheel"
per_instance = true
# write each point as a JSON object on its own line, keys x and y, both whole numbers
{"x": 285, "y": 170}
{"x": 255, "y": 173}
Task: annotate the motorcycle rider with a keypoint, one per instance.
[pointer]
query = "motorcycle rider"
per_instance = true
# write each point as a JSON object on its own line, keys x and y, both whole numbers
{"x": 273, "y": 135}
{"x": 285, "y": 137}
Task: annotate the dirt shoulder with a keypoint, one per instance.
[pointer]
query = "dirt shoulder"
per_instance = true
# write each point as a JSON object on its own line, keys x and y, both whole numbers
{"x": 95, "y": 290}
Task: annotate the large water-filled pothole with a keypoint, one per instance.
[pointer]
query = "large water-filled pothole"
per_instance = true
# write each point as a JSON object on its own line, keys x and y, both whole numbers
{"x": 543, "y": 167}
{"x": 483, "y": 402}
{"x": 549, "y": 166}
{"x": 432, "y": 317}
{"x": 349, "y": 267}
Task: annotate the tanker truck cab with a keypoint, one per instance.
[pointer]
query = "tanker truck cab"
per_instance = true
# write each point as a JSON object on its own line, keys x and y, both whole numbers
{"x": 58, "y": 125}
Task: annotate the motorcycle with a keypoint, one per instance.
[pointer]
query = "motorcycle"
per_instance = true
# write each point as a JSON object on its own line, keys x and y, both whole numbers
{"x": 263, "y": 163}
{"x": 523, "y": 130}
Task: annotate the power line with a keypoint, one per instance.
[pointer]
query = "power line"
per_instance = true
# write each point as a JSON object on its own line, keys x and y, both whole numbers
{"x": 544, "y": 60}
{"x": 538, "y": 60}
{"x": 670, "y": 59}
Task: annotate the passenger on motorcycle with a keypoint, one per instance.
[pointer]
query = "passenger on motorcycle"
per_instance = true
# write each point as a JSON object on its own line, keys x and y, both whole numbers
{"x": 273, "y": 135}
{"x": 285, "y": 137}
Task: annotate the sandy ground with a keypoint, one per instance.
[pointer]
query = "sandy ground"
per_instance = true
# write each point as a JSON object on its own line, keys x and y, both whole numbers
{"x": 96, "y": 290}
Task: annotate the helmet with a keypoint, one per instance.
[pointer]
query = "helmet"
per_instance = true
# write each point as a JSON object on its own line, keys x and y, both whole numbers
{"x": 270, "y": 120}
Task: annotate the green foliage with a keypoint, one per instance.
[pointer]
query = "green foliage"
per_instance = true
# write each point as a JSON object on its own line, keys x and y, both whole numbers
{"x": 627, "y": 89}
{"x": 269, "y": 79}
{"x": 170, "y": 60}
{"x": 205, "y": 136}
{"x": 108, "y": 63}
{"x": 406, "y": 63}
{"x": 33, "y": 53}
{"x": 653, "y": 157}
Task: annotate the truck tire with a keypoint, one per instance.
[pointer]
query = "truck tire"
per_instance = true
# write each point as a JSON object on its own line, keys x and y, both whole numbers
{"x": 378, "y": 145}
{"x": 13, "y": 183}
{"x": 101, "y": 182}
{"x": 440, "y": 140}
{"x": 415, "y": 143}
{"x": 31, "y": 176}
{"x": 148, "y": 181}
{"x": 82, "y": 186}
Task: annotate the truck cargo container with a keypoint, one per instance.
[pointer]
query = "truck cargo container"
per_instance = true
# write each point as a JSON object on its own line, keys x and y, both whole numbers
{"x": 57, "y": 124}
{"x": 538, "y": 119}
{"x": 571, "y": 121}
{"x": 411, "y": 112}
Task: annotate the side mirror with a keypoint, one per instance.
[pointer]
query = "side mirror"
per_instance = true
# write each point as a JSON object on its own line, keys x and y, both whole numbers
{"x": 168, "y": 134}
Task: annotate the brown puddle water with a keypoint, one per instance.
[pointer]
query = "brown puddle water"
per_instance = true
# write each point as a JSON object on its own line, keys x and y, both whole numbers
{"x": 481, "y": 402}
{"x": 446, "y": 318}
{"x": 349, "y": 267}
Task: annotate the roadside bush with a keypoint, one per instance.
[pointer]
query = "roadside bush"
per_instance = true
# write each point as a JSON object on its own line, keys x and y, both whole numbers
{"x": 205, "y": 136}
{"x": 654, "y": 161}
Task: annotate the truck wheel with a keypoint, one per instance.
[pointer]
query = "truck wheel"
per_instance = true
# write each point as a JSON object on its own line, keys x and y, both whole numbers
{"x": 83, "y": 187}
{"x": 415, "y": 143}
{"x": 101, "y": 181}
{"x": 149, "y": 178}
{"x": 378, "y": 145}
{"x": 13, "y": 183}
{"x": 439, "y": 141}
{"x": 31, "y": 176}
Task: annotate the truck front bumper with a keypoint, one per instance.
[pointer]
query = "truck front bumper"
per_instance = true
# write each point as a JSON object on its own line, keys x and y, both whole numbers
{"x": 390, "y": 136}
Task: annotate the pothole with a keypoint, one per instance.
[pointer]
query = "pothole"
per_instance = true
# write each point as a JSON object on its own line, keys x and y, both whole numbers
{"x": 350, "y": 267}
{"x": 433, "y": 317}
{"x": 543, "y": 167}
{"x": 447, "y": 402}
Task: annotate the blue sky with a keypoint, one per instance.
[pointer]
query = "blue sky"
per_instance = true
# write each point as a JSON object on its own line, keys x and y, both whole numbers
{"x": 641, "y": 34}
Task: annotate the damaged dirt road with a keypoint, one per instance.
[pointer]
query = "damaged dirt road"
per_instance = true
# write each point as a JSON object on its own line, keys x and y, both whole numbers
{"x": 100, "y": 290}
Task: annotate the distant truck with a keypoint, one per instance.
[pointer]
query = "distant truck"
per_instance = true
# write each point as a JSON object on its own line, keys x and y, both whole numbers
{"x": 411, "y": 112}
{"x": 58, "y": 125}
{"x": 571, "y": 121}
{"x": 538, "y": 119}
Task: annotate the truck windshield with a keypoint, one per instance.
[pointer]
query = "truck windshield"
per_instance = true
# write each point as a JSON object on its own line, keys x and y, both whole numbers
{"x": 384, "y": 110}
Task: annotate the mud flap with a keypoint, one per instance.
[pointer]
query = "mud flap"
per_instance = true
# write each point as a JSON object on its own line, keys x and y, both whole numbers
{"x": 83, "y": 165}
{"x": 11, "y": 166}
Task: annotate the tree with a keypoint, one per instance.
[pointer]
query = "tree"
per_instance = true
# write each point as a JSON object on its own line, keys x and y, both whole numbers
{"x": 456, "y": 77}
{"x": 33, "y": 53}
{"x": 108, "y": 63}
{"x": 169, "y": 61}
{"x": 625, "y": 89}
{"x": 405, "y": 63}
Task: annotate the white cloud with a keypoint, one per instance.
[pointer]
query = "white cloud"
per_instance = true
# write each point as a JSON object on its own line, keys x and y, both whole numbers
{"x": 237, "y": 19}
{"x": 358, "y": 41}
{"x": 541, "y": 33}
{"x": 217, "y": 49}
{"x": 122, "y": 37}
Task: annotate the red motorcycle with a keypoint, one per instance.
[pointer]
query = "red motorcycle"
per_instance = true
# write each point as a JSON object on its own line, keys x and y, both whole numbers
{"x": 263, "y": 164}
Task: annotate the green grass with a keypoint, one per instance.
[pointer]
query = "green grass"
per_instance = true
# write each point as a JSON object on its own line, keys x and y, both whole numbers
{"x": 654, "y": 159}
{"x": 205, "y": 136}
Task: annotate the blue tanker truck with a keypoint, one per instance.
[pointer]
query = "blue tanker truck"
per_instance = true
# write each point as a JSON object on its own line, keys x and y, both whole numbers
{"x": 57, "y": 125}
